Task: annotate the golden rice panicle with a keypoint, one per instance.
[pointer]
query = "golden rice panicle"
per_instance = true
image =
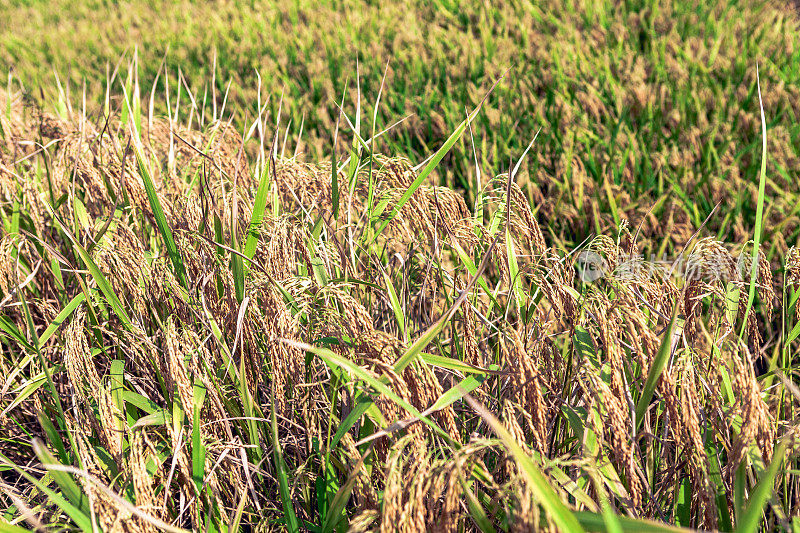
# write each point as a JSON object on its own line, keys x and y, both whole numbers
{"x": 471, "y": 337}
{"x": 185, "y": 359}
{"x": 555, "y": 278}
{"x": 377, "y": 345}
{"x": 9, "y": 276}
{"x": 698, "y": 460}
{"x": 75, "y": 160}
{"x": 109, "y": 514}
{"x": 450, "y": 215}
{"x": 793, "y": 273}
{"x": 120, "y": 255}
{"x": 356, "y": 319}
{"x": 426, "y": 390}
{"x": 392, "y": 411}
{"x": 709, "y": 268}
{"x": 616, "y": 399}
{"x": 758, "y": 425}
{"x": 138, "y": 455}
{"x": 627, "y": 241}
{"x": 403, "y": 503}
{"x": 667, "y": 387}
{"x": 417, "y": 211}
{"x": 617, "y": 433}
{"x": 176, "y": 354}
{"x": 364, "y": 489}
{"x": 161, "y": 139}
{"x": 517, "y": 211}
{"x": 753, "y": 331}
{"x": 642, "y": 337}
{"x": 225, "y": 149}
{"x": 692, "y": 308}
{"x": 765, "y": 287}
{"x": 22, "y": 267}
{"x": 525, "y": 513}
{"x": 364, "y": 522}
{"x": 281, "y": 248}
{"x": 78, "y": 362}
{"x": 298, "y": 185}
{"x": 510, "y": 420}
{"x": 200, "y": 362}
{"x": 183, "y": 473}
{"x": 711, "y": 262}
{"x": 272, "y": 321}
{"x": 527, "y": 388}
{"x": 17, "y": 124}
{"x": 608, "y": 251}
{"x": 212, "y": 152}
{"x": 443, "y": 488}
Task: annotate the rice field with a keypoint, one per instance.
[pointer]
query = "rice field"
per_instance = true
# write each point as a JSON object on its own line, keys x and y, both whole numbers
{"x": 459, "y": 268}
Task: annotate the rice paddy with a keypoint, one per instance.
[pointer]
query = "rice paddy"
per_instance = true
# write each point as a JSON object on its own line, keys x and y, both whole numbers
{"x": 560, "y": 296}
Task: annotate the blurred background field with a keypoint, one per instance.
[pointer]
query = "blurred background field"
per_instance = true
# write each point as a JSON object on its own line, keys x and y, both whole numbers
{"x": 644, "y": 106}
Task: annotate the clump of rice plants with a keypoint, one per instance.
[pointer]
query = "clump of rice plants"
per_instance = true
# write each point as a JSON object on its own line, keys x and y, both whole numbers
{"x": 202, "y": 331}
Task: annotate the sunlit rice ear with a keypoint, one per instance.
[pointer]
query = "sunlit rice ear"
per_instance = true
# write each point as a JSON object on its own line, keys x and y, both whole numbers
{"x": 793, "y": 273}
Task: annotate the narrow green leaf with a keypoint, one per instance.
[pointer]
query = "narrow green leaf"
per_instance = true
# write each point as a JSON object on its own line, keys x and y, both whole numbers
{"x": 751, "y": 295}
{"x": 158, "y": 214}
{"x": 396, "y": 307}
{"x": 475, "y": 508}
{"x": 335, "y": 513}
{"x": 145, "y": 404}
{"x": 335, "y": 165}
{"x": 595, "y": 522}
{"x": 236, "y": 519}
{"x": 238, "y": 272}
{"x": 53, "y": 435}
{"x": 362, "y": 404}
{"x": 116, "y": 375}
{"x": 10, "y": 329}
{"x": 198, "y": 447}
{"x": 62, "y": 317}
{"x": 659, "y": 363}
{"x": 68, "y": 486}
{"x": 793, "y": 334}
{"x": 454, "y": 364}
{"x": 259, "y": 207}
{"x": 33, "y": 384}
{"x": 159, "y": 418}
{"x": 416, "y": 348}
{"x": 455, "y": 393}
{"x": 748, "y": 521}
